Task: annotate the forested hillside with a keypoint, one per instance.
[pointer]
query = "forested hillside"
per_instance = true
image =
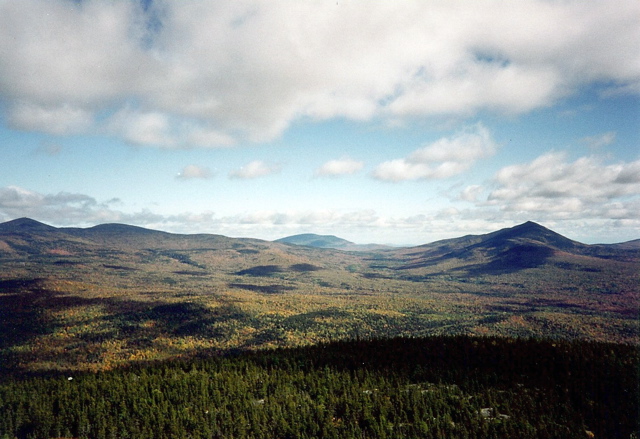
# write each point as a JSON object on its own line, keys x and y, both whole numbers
{"x": 438, "y": 387}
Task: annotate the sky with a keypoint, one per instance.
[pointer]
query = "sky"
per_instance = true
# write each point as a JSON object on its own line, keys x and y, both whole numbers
{"x": 399, "y": 122}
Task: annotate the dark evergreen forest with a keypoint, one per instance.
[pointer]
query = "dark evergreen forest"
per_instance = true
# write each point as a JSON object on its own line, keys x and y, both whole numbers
{"x": 436, "y": 387}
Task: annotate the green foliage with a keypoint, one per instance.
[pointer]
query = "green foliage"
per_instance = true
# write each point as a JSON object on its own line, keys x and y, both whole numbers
{"x": 438, "y": 387}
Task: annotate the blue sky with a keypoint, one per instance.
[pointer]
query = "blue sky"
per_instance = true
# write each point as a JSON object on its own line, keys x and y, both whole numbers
{"x": 386, "y": 122}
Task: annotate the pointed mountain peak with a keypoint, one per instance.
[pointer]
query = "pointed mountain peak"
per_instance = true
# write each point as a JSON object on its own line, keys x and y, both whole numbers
{"x": 530, "y": 225}
{"x": 25, "y": 225}
{"x": 528, "y": 228}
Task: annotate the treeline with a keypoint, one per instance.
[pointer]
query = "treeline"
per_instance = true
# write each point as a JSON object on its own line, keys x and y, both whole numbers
{"x": 436, "y": 387}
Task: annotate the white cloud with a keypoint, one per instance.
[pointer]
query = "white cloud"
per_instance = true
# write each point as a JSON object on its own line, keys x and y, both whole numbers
{"x": 471, "y": 193}
{"x": 552, "y": 186}
{"x": 595, "y": 142}
{"x": 443, "y": 158}
{"x": 401, "y": 169}
{"x": 343, "y": 166}
{"x": 507, "y": 89}
{"x": 81, "y": 54}
{"x": 194, "y": 171}
{"x": 249, "y": 69}
{"x": 255, "y": 169}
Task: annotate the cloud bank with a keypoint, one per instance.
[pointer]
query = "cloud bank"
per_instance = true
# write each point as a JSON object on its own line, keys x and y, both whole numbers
{"x": 211, "y": 73}
{"x": 585, "y": 188}
{"x": 585, "y": 198}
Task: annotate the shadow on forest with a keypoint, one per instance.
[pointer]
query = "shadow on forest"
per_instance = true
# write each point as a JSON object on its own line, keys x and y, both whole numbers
{"x": 261, "y": 270}
{"x": 304, "y": 268}
{"x": 264, "y": 289}
{"x": 517, "y": 258}
{"x": 508, "y": 261}
{"x": 27, "y": 311}
{"x": 22, "y": 315}
{"x": 270, "y": 270}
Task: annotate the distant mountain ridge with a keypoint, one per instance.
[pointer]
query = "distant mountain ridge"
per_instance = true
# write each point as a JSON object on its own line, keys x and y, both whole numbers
{"x": 27, "y": 235}
{"x": 313, "y": 240}
{"x": 528, "y": 234}
{"x": 327, "y": 241}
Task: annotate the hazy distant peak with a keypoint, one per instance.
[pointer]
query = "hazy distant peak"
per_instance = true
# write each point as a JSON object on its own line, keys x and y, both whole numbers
{"x": 313, "y": 240}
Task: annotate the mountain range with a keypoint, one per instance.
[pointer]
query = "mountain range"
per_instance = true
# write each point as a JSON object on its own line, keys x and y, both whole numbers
{"x": 528, "y": 233}
{"x": 524, "y": 246}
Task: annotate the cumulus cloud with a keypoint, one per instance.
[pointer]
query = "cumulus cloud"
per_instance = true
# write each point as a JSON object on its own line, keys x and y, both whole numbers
{"x": 194, "y": 171}
{"x": 443, "y": 158}
{"x": 343, "y": 166}
{"x": 249, "y": 69}
{"x": 471, "y": 193}
{"x": 584, "y": 188}
{"x": 255, "y": 169}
